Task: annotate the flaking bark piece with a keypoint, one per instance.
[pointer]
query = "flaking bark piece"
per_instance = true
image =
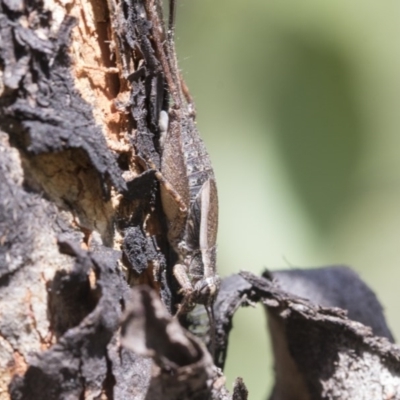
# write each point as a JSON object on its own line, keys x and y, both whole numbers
{"x": 78, "y": 365}
{"x": 139, "y": 250}
{"x": 39, "y": 107}
{"x": 132, "y": 35}
{"x": 319, "y": 352}
{"x": 182, "y": 367}
{"x": 337, "y": 286}
{"x": 20, "y": 212}
{"x": 149, "y": 330}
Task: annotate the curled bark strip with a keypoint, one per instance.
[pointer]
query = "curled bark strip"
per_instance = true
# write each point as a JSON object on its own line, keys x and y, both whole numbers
{"x": 182, "y": 367}
{"x": 319, "y": 352}
{"x": 149, "y": 330}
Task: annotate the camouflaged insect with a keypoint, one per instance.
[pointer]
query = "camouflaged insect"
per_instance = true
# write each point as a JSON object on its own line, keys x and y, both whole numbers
{"x": 188, "y": 188}
{"x": 190, "y": 203}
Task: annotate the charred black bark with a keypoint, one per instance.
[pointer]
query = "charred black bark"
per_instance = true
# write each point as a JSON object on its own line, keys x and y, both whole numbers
{"x": 80, "y": 224}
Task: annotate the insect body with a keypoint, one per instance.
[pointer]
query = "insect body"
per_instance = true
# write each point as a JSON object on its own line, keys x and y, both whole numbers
{"x": 191, "y": 206}
{"x": 188, "y": 188}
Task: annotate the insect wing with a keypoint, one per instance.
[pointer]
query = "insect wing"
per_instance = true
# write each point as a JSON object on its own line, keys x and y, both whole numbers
{"x": 209, "y": 215}
{"x": 175, "y": 184}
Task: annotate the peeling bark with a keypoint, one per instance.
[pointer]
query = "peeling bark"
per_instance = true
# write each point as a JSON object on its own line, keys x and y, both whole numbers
{"x": 319, "y": 352}
{"x": 81, "y": 223}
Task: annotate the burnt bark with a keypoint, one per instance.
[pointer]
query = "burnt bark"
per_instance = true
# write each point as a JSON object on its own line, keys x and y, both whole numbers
{"x": 87, "y": 295}
{"x": 319, "y": 352}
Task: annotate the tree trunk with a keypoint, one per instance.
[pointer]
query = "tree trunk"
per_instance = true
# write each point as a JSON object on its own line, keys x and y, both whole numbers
{"x": 81, "y": 223}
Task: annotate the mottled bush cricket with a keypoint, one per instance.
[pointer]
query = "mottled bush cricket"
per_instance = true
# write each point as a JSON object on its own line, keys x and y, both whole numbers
{"x": 188, "y": 188}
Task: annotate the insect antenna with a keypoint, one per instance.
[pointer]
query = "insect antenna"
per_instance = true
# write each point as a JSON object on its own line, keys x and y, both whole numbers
{"x": 213, "y": 338}
{"x": 171, "y": 19}
{"x": 171, "y": 54}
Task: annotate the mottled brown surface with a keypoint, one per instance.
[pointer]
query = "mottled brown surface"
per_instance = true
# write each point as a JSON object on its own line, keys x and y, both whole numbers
{"x": 81, "y": 220}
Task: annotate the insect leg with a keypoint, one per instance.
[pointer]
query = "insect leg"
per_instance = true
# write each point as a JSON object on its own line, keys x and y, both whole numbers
{"x": 211, "y": 319}
{"x": 167, "y": 187}
{"x": 208, "y": 205}
{"x": 181, "y": 274}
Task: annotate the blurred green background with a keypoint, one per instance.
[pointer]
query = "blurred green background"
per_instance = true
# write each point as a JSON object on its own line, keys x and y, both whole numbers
{"x": 299, "y": 105}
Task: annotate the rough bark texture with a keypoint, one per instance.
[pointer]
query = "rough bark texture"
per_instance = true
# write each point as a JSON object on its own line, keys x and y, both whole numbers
{"x": 81, "y": 223}
{"x": 319, "y": 352}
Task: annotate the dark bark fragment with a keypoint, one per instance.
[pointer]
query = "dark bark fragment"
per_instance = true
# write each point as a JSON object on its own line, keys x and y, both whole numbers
{"x": 139, "y": 249}
{"x": 182, "y": 368}
{"x": 19, "y": 213}
{"x": 132, "y": 32}
{"x": 337, "y": 286}
{"x": 79, "y": 363}
{"x": 319, "y": 352}
{"x": 40, "y": 108}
